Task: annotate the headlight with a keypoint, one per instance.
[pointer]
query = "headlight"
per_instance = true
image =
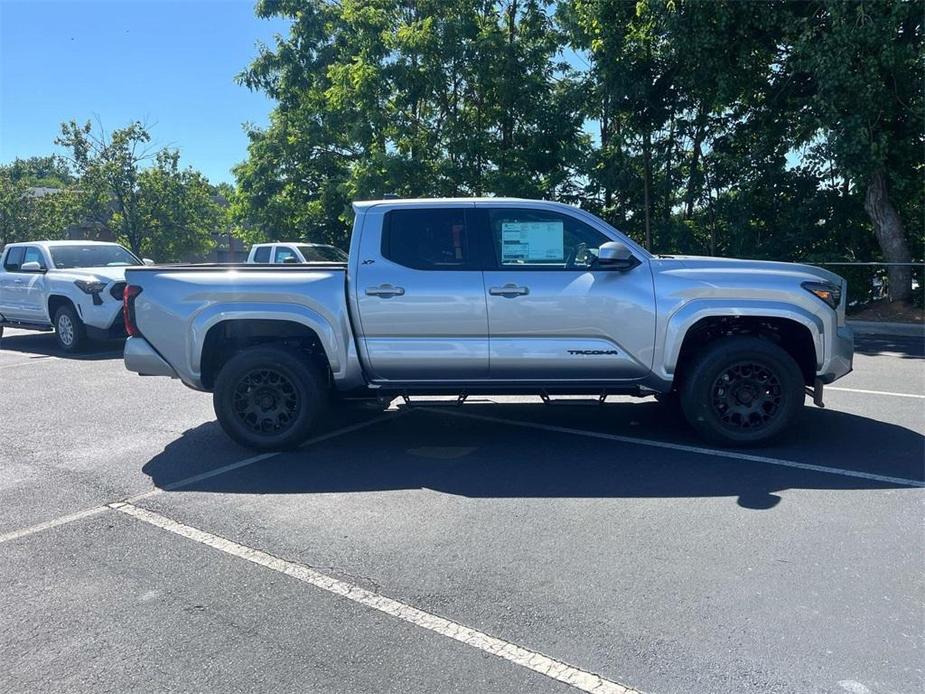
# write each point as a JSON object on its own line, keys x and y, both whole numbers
{"x": 88, "y": 287}
{"x": 829, "y": 293}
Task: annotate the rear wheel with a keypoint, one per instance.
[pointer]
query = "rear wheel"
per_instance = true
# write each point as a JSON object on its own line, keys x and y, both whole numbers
{"x": 269, "y": 398}
{"x": 69, "y": 329}
{"x": 742, "y": 391}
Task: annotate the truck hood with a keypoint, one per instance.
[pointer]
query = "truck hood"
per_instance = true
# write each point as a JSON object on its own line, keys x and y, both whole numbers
{"x": 105, "y": 274}
{"x": 708, "y": 264}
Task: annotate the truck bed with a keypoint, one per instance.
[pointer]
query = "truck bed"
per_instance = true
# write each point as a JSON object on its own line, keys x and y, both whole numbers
{"x": 180, "y": 305}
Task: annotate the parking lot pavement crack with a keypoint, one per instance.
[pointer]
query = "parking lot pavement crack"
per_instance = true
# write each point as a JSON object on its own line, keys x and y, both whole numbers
{"x": 575, "y": 677}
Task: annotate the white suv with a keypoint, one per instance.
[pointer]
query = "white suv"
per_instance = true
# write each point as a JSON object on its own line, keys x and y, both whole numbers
{"x": 74, "y": 287}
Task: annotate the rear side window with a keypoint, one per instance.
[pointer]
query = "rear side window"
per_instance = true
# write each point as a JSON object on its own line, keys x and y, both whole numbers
{"x": 13, "y": 259}
{"x": 437, "y": 239}
{"x": 262, "y": 255}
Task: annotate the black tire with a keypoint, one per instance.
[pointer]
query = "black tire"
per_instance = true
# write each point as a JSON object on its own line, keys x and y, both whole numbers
{"x": 741, "y": 391}
{"x": 269, "y": 398}
{"x": 69, "y": 330}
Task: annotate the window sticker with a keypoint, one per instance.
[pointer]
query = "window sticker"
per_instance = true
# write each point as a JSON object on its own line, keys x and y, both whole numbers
{"x": 530, "y": 242}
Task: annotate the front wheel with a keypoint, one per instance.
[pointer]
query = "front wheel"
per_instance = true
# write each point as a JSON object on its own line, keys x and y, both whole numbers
{"x": 742, "y": 391}
{"x": 269, "y": 398}
{"x": 69, "y": 329}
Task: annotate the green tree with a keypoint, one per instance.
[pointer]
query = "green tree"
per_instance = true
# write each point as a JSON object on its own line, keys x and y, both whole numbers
{"x": 140, "y": 193}
{"x": 416, "y": 98}
{"x": 865, "y": 63}
{"x": 177, "y": 209}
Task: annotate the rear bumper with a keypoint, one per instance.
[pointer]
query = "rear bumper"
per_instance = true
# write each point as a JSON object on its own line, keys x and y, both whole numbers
{"x": 842, "y": 356}
{"x": 140, "y": 357}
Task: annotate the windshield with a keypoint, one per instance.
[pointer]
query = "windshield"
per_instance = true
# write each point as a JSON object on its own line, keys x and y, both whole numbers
{"x": 324, "y": 254}
{"x": 91, "y": 255}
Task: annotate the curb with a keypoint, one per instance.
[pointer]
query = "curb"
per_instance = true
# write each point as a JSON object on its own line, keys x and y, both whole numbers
{"x": 863, "y": 327}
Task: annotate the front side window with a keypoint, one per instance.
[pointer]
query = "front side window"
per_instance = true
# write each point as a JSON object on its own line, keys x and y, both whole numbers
{"x": 34, "y": 255}
{"x": 429, "y": 239}
{"x": 284, "y": 254}
{"x": 262, "y": 255}
{"x": 73, "y": 256}
{"x": 537, "y": 239}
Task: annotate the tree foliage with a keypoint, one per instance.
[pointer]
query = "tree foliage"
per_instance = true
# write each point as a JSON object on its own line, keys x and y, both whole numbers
{"x": 779, "y": 129}
{"x": 141, "y": 194}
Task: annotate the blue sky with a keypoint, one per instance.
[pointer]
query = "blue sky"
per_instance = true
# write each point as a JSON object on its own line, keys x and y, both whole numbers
{"x": 169, "y": 63}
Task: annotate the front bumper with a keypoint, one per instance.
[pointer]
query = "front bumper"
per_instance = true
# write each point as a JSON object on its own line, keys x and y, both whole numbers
{"x": 841, "y": 358}
{"x": 140, "y": 357}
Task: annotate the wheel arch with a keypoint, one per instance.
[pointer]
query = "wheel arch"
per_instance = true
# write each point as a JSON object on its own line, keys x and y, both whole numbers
{"x": 225, "y": 338}
{"x": 797, "y": 332}
{"x": 56, "y": 301}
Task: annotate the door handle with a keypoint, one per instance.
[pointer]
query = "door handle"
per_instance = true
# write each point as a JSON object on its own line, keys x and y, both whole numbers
{"x": 509, "y": 290}
{"x": 385, "y": 290}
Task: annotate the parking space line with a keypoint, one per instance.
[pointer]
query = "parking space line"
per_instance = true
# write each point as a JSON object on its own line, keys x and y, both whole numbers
{"x": 53, "y": 523}
{"x": 685, "y": 448}
{"x": 173, "y": 486}
{"x": 532, "y": 660}
{"x": 34, "y": 360}
{"x": 875, "y": 392}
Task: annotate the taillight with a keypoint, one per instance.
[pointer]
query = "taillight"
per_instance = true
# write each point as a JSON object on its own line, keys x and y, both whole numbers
{"x": 128, "y": 310}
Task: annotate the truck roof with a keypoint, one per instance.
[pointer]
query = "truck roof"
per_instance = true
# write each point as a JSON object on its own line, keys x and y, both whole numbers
{"x": 63, "y": 243}
{"x": 401, "y": 202}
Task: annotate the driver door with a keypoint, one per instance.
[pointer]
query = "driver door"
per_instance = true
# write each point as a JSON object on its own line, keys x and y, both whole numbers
{"x": 33, "y": 287}
{"x": 553, "y": 315}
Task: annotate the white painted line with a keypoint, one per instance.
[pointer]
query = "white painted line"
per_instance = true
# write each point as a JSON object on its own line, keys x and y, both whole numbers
{"x": 185, "y": 482}
{"x": 36, "y": 360}
{"x": 874, "y": 392}
{"x": 687, "y": 449}
{"x": 532, "y": 660}
{"x": 53, "y": 523}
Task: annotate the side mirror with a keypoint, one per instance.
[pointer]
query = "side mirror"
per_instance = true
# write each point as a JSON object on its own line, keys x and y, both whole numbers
{"x": 615, "y": 255}
{"x": 291, "y": 260}
{"x": 147, "y": 261}
{"x": 31, "y": 266}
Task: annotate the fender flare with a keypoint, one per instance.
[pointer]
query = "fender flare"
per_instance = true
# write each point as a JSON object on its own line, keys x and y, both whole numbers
{"x": 681, "y": 321}
{"x": 212, "y": 315}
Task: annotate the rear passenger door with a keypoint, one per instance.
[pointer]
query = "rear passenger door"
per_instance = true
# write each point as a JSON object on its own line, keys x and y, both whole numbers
{"x": 420, "y": 295}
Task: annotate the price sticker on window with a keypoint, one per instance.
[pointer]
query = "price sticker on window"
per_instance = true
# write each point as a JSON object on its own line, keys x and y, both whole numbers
{"x": 532, "y": 242}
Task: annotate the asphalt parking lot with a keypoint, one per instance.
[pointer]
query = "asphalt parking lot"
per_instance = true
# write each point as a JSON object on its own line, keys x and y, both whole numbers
{"x": 505, "y": 546}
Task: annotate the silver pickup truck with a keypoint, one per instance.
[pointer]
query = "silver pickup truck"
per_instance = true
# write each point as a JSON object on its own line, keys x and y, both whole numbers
{"x": 491, "y": 296}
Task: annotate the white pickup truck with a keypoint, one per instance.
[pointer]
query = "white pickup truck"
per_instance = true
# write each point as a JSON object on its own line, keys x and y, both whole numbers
{"x": 73, "y": 287}
{"x": 290, "y": 252}
{"x": 476, "y": 296}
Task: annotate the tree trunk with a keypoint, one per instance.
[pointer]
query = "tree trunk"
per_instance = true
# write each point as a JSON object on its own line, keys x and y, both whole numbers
{"x": 647, "y": 184}
{"x": 693, "y": 182}
{"x": 890, "y": 235}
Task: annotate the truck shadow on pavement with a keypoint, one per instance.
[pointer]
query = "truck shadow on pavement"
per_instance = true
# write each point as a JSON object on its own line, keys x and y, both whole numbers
{"x": 430, "y": 449}
{"x": 40, "y": 345}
